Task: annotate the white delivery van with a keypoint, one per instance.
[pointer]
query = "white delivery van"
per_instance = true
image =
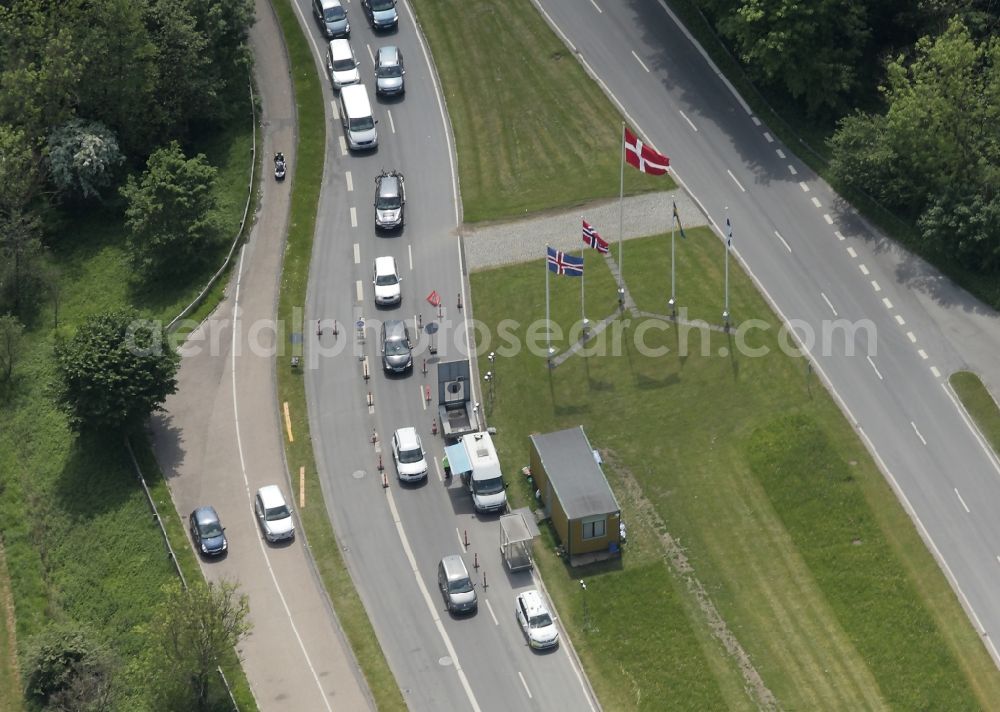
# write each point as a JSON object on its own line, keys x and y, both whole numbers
{"x": 357, "y": 118}
{"x": 341, "y": 64}
{"x": 484, "y": 479}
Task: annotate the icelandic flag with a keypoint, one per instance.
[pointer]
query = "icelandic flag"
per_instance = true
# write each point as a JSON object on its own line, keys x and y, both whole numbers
{"x": 561, "y": 263}
{"x": 591, "y": 237}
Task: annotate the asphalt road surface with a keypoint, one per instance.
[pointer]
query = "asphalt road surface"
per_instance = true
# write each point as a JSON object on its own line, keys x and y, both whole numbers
{"x": 817, "y": 262}
{"x": 394, "y": 537}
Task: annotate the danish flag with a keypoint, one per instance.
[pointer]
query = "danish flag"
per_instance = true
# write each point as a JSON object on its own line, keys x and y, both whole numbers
{"x": 643, "y": 157}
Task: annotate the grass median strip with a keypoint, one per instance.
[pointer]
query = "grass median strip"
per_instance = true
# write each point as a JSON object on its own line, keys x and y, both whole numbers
{"x": 781, "y": 514}
{"x": 980, "y": 404}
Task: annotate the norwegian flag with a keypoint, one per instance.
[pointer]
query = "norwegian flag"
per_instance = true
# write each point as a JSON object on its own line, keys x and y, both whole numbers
{"x": 643, "y": 157}
{"x": 591, "y": 237}
{"x": 561, "y": 263}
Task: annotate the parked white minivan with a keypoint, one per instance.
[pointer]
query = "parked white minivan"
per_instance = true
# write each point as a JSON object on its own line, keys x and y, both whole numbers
{"x": 357, "y": 118}
{"x": 341, "y": 64}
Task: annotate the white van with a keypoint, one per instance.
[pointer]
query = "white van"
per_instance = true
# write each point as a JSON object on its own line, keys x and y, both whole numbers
{"x": 357, "y": 118}
{"x": 485, "y": 481}
{"x": 341, "y": 64}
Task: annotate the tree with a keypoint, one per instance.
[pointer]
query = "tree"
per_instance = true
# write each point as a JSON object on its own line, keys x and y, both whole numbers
{"x": 20, "y": 260}
{"x": 69, "y": 670}
{"x": 114, "y": 372}
{"x": 11, "y": 336}
{"x": 18, "y": 170}
{"x": 82, "y": 157}
{"x": 169, "y": 213}
{"x": 197, "y": 629}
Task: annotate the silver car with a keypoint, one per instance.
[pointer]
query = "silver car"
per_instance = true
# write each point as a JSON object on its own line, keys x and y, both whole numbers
{"x": 389, "y": 71}
{"x": 274, "y": 514}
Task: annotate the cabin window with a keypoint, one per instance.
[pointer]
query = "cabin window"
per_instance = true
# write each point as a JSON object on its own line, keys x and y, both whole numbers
{"x": 594, "y": 527}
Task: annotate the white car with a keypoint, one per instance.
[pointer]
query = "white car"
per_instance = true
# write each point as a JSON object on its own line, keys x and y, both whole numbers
{"x": 536, "y": 621}
{"x": 386, "y": 280}
{"x": 274, "y": 514}
{"x": 408, "y": 452}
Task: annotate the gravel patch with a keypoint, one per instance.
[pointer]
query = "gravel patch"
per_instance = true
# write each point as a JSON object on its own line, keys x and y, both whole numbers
{"x": 495, "y": 244}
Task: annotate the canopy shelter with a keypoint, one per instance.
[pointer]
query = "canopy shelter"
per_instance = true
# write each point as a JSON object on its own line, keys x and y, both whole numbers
{"x": 458, "y": 458}
{"x": 515, "y": 539}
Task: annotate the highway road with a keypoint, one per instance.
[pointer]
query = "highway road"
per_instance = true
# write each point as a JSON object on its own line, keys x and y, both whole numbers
{"x": 394, "y": 537}
{"x": 818, "y": 262}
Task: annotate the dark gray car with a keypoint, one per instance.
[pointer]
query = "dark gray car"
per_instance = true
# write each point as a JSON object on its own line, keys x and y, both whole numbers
{"x": 381, "y": 13}
{"x": 332, "y": 18}
{"x": 207, "y": 531}
{"x": 389, "y": 71}
{"x": 397, "y": 354}
{"x": 390, "y": 200}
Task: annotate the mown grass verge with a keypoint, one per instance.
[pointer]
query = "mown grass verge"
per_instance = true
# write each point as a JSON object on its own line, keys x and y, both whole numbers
{"x": 980, "y": 404}
{"x": 787, "y": 523}
{"x": 325, "y": 550}
{"x": 532, "y": 130}
{"x": 80, "y": 541}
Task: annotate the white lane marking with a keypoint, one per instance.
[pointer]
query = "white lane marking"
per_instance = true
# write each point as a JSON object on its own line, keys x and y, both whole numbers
{"x": 851, "y": 251}
{"x": 864, "y": 270}
{"x": 912, "y": 337}
{"x": 918, "y": 432}
{"x": 409, "y": 251}
{"x": 461, "y": 544}
{"x": 900, "y": 320}
{"x": 359, "y": 290}
{"x": 781, "y": 154}
{"x": 803, "y": 186}
{"x": 964, "y": 505}
{"x": 392, "y": 124}
{"x": 690, "y": 123}
{"x": 791, "y": 169}
{"x": 524, "y": 683}
{"x": 876, "y": 286}
{"x": 354, "y": 216}
{"x": 493, "y": 615}
{"x": 828, "y": 303}
{"x": 343, "y": 146}
{"x": 423, "y": 401}
{"x": 596, "y": 7}
{"x": 769, "y": 137}
{"x": 736, "y": 181}
{"x": 350, "y": 181}
{"x": 641, "y": 63}
{"x": 246, "y": 485}
{"x": 872, "y": 363}
{"x": 838, "y": 234}
{"x": 334, "y": 110}
{"x": 815, "y": 201}
{"x": 829, "y": 220}
{"x": 435, "y": 615}
{"x": 923, "y": 354}
{"x": 937, "y": 374}
{"x": 778, "y": 235}
{"x": 371, "y": 54}
{"x": 357, "y": 253}
{"x": 887, "y": 303}
{"x": 756, "y": 121}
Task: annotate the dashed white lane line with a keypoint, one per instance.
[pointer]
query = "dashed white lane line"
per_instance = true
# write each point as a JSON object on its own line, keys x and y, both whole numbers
{"x": 334, "y": 110}
{"x": 864, "y": 270}
{"x": 934, "y": 370}
{"x": 828, "y": 303}
{"x": 409, "y": 251}
{"x": 690, "y": 123}
{"x": 923, "y": 354}
{"x": 781, "y": 154}
{"x": 641, "y": 63}
{"x": 964, "y": 505}
{"x": 596, "y": 7}
{"x": 791, "y": 169}
{"x": 371, "y": 54}
{"x": 874, "y": 368}
{"x": 354, "y": 216}
{"x": 804, "y": 186}
{"x": 888, "y": 304}
{"x": 900, "y": 320}
{"x": 357, "y": 253}
{"x": 524, "y": 683}
{"x": 829, "y": 220}
{"x": 912, "y": 337}
{"x": 838, "y": 234}
{"x": 461, "y": 544}
{"x": 815, "y": 201}
{"x": 852, "y": 252}
{"x": 392, "y": 124}
{"x": 756, "y": 121}
{"x": 876, "y": 286}
{"x": 492, "y": 614}
{"x": 423, "y": 399}
{"x": 343, "y": 146}
{"x": 736, "y": 181}
{"x": 918, "y": 432}
{"x": 778, "y": 235}
{"x": 359, "y": 291}
{"x": 350, "y": 181}
{"x": 769, "y": 137}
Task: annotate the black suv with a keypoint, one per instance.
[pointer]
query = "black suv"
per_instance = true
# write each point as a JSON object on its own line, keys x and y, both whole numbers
{"x": 390, "y": 200}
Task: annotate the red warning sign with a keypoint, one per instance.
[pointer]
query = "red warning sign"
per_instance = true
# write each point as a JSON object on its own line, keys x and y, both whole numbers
{"x": 434, "y": 299}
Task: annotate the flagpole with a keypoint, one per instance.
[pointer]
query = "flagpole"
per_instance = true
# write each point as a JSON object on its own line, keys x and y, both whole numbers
{"x": 729, "y": 240}
{"x": 583, "y": 309}
{"x": 673, "y": 293}
{"x": 621, "y": 222}
{"x": 548, "y": 321}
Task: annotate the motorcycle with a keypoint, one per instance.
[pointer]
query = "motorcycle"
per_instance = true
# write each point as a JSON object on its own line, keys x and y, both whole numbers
{"x": 279, "y": 166}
